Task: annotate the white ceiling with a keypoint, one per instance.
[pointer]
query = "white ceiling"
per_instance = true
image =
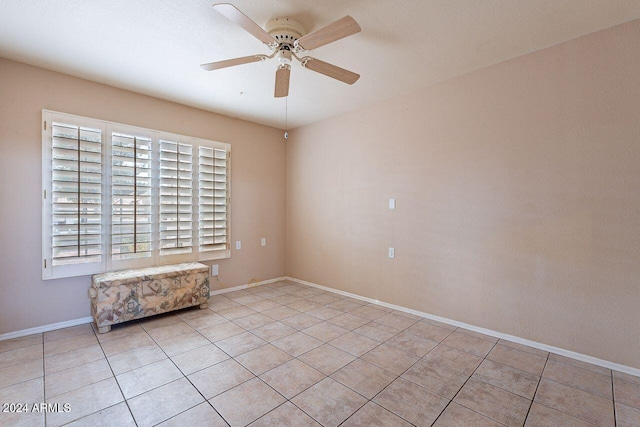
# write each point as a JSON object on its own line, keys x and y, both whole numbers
{"x": 155, "y": 47}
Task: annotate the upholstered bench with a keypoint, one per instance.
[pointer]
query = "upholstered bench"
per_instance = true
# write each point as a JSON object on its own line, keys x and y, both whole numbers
{"x": 120, "y": 296}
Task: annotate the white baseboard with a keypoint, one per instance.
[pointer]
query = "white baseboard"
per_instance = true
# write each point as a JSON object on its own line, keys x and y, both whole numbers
{"x": 557, "y": 350}
{"x": 248, "y": 285}
{"x": 45, "y": 328}
{"x": 89, "y": 319}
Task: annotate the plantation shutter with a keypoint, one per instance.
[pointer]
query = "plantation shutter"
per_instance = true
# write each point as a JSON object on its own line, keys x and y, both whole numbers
{"x": 131, "y": 196}
{"x": 176, "y": 198}
{"x": 76, "y": 194}
{"x": 213, "y": 199}
{"x": 166, "y": 197}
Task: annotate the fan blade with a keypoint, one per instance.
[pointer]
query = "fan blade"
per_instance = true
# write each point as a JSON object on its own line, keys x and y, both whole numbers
{"x": 282, "y": 82}
{"x": 330, "y": 70}
{"x": 340, "y": 29}
{"x": 232, "y": 62}
{"x": 230, "y": 12}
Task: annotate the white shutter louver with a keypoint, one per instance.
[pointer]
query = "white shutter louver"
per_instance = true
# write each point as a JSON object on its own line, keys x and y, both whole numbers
{"x": 212, "y": 203}
{"x": 76, "y": 194}
{"x": 131, "y": 197}
{"x": 176, "y": 198}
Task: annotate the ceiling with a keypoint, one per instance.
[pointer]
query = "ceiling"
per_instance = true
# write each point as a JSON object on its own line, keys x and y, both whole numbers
{"x": 155, "y": 47}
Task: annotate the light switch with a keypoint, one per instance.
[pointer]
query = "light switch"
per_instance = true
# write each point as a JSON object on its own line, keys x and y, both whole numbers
{"x": 392, "y": 203}
{"x": 263, "y": 241}
{"x": 238, "y": 244}
{"x": 392, "y": 253}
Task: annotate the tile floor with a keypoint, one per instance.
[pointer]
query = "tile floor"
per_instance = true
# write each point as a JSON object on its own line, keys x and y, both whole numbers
{"x": 289, "y": 355}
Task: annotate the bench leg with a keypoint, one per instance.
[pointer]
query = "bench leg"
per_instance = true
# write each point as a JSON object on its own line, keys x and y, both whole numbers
{"x": 204, "y": 305}
{"x": 104, "y": 329}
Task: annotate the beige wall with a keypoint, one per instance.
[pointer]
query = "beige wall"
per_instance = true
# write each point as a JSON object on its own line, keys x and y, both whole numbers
{"x": 518, "y": 198}
{"x": 258, "y": 182}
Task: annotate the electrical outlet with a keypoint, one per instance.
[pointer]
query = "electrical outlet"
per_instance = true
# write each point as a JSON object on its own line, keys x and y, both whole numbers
{"x": 214, "y": 270}
{"x": 392, "y": 253}
{"x": 263, "y": 241}
{"x": 392, "y": 203}
{"x": 238, "y": 244}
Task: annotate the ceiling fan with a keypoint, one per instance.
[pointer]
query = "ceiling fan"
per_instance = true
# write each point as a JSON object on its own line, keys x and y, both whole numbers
{"x": 286, "y": 38}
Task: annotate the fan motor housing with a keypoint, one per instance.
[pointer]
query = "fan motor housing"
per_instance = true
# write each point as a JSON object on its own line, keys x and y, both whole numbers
{"x": 285, "y": 30}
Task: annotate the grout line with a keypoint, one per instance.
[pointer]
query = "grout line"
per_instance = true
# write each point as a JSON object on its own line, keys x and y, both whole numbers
{"x": 126, "y": 401}
{"x": 44, "y": 379}
{"x": 399, "y": 376}
{"x": 537, "y": 386}
{"x": 113, "y": 376}
{"x": 465, "y": 383}
{"x": 613, "y": 398}
{"x": 183, "y": 374}
{"x": 233, "y": 358}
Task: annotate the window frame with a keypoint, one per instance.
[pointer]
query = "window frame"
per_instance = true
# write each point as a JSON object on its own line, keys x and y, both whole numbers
{"x": 107, "y": 263}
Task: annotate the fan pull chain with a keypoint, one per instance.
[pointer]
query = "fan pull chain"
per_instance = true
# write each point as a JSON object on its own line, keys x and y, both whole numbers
{"x": 286, "y": 117}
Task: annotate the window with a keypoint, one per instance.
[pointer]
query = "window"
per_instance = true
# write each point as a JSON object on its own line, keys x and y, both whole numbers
{"x": 176, "y": 198}
{"x": 131, "y": 196}
{"x": 212, "y": 199}
{"x": 117, "y": 197}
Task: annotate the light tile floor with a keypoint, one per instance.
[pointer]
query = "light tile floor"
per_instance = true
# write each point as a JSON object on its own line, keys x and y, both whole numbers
{"x": 284, "y": 354}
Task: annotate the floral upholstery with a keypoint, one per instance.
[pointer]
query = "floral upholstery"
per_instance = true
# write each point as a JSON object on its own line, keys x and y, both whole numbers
{"x": 132, "y": 294}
